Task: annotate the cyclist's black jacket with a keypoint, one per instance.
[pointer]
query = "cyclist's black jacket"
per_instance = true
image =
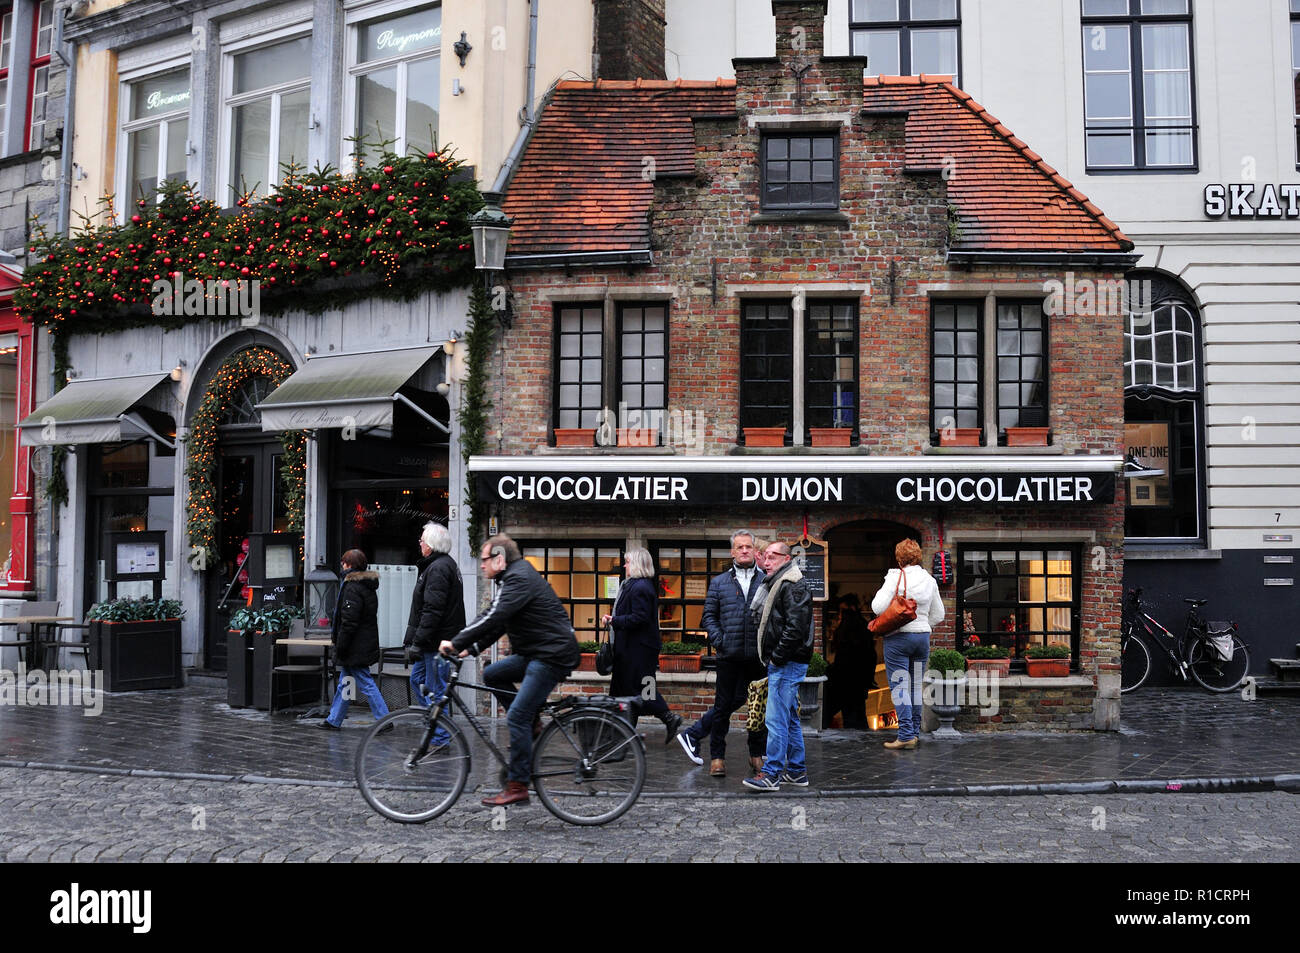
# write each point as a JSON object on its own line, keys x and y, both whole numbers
{"x": 525, "y": 605}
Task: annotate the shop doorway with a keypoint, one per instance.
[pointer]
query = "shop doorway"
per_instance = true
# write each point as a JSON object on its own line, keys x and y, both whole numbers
{"x": 860, "y": 554}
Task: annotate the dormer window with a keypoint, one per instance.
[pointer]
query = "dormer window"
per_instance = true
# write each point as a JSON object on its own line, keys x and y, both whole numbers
{"x": 801, "y": 172}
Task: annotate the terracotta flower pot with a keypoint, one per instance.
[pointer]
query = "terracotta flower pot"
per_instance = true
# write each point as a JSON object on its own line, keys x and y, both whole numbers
{"x": 1047, "y": 667}
{"x": 679, "y": 663}
{"x": 960, "y": 437}
{"x": 587, "y": 662}
{"x": 1027, "y": 436}
{"x": 765, "y": 436}
{"x": 1000, "y": 667}
{"x": 831, "y": 436}
{"x": 575, "y": 436}
{"x": 638, "y": 437}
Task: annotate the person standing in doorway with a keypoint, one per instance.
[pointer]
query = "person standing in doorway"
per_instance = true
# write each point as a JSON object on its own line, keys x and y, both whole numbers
{"x": 635, "y": 626}
{"x": 356, "y": 639}
{"x": 437, "y": 613}
{"x": 734, "y": 637}
{"x": 854, "y": 670}
{"x": 907, "y": 648}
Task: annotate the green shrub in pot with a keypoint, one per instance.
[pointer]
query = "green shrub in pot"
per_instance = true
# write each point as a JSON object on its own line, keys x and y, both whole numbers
{"x": 1047, "y": 651}
{"x": 948, "y": 663}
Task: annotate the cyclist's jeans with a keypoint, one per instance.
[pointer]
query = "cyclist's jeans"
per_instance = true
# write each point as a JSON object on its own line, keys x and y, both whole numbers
{"x": 353, "y": 680}
{"x": 536, "y": 680}
{"x": 431, "y": 672}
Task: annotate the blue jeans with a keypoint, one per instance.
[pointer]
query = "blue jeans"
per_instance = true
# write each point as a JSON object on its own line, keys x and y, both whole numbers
{"x": 905, "y": 657}
{"x": 431, "y": 672}
{"x": 536, "y": 680}
{"x": 360, "y": 677}
{"x": 784, "y": 734}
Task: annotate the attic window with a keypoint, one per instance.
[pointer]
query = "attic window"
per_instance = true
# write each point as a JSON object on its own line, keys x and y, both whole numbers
{"x": 800, "y": 172}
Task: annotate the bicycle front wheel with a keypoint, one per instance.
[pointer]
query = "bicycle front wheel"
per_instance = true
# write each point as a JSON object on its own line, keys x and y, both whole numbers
{"x": 1210, "y": 670}
{"x": 1135, "y": 663}
{"x": 588, "y": 767}
{"x": 405, "y": 787}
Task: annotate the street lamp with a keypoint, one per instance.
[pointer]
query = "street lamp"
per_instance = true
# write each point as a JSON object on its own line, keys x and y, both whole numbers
{"x": 491, "y": 228}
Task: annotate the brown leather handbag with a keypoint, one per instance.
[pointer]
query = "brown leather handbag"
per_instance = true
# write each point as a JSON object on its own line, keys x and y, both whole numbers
{"x": 900, "y": 611}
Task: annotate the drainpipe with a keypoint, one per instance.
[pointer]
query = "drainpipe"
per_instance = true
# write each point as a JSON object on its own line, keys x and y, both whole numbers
{"x": 68, "y": 53}
{"x": 529, "y": 112}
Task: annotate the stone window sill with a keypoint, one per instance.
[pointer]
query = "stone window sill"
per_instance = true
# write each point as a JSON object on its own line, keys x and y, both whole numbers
{"x": 796, "y": 217}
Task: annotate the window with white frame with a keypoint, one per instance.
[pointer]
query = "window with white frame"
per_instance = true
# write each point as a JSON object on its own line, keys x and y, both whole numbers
{"x": 907, "y": 37}
{"x": 393, "y": 81}
{"x": 268, "y": 114}
{"x": 155, "y": 131}
{"x": 40, "y": 74}
{"x": 6, "y": 48}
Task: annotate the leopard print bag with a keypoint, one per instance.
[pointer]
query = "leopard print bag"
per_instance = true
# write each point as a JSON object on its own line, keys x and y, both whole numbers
{"x": 756, "y": 703}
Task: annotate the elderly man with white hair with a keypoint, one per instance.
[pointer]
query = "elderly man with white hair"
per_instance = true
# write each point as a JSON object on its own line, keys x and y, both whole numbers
{"x": 437, "y": 612}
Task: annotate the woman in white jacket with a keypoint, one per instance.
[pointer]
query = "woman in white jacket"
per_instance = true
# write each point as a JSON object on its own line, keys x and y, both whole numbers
{"x": 908, "y": 648}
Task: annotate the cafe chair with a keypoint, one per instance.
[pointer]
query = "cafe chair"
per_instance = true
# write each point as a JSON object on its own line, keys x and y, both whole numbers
{"x": 394, "y": 677}
{"x": 288, "y": 677}
{"x": 25, "y": 633}
{"x": 81, "y": 645}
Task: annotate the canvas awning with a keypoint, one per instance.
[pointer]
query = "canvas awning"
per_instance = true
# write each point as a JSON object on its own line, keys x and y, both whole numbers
{"x": 356, "y": 390}
{"x": 97, "y": 411}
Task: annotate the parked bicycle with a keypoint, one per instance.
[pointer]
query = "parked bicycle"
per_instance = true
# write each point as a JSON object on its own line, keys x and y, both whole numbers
{"x": 1215, "y": 658}
{"x": 588, "y": 763}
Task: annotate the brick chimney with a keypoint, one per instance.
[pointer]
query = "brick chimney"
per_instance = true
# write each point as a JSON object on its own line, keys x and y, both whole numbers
{"x": 799, "y": 27}
{"x": 629, "y": 40}
{"x": 800, "y": 79}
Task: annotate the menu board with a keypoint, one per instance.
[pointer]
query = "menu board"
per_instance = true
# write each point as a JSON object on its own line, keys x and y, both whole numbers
{"x": 279, "y": 561}
{"x": 810, "y": 556}
{"x": 136, "y": 558}
{"x": 1148, "y": 444}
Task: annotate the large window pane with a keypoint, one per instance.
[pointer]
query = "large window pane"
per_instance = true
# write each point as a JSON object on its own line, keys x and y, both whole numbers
{"x": 142, "y": 163}
{"x": 421, "y": 104}
{"x": 158, "y": 95}
{"x": 177, "y": 133}
{"x": 250, "y": 147}
{"x": 295, "y": 109}
{"x": 880, "y": 47}
{"x": 934, "y": 51}
{"x": 275, "y": 65}
{"x": 409, "y": 33}
{"x": 377, "y": 110}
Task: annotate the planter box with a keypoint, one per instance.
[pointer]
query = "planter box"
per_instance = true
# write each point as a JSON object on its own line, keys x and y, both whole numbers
{"x": 831, "y": 436}
{"x": 810, "y": 703}
{"x": 137, "y": 655}
{"x": 644, "y": 437}
{"x": 1000, "y": 667}
{"x": 239, "y": 669}
{"x": 587, "y": 662}
{"x": 263, "y": 661}
{"x": 1047, "y": 667}
{"x": 679, "y": 663}
{"x": 1027, "y": 436}
{"x": 576, "y": 437}
{"x": 960, "y": 437}
{"x": 765, "y": 436}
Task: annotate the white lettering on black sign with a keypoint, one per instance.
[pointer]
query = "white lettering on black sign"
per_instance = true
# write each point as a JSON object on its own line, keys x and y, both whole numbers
{"x": 391, "y": 40}
{"x": 160, "y": 100}
{"x": 1039, "y": 489}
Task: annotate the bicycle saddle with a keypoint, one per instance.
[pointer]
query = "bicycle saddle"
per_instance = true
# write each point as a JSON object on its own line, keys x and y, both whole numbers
{"x": 1196, "y": 602}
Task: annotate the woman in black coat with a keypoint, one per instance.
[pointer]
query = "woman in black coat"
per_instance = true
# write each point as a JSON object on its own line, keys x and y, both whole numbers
{"x": 356, "y": 639}
{"x": 634, "y": 627}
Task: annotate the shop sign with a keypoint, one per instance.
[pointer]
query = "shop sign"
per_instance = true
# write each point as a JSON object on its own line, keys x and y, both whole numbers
{"x": 1248, "y": 200}
{"x": 1067, "y": 488}
{"x": 1148, "y": 443}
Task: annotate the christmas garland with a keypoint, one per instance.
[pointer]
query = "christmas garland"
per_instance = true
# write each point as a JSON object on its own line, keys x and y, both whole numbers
{"x": 473, "y": 413}
{"x": 201, "y": 448}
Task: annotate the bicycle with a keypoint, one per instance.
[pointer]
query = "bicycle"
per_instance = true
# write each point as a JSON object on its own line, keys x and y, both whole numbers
{"x": 588, "y": 763}
{"x": 1195, "y": 652}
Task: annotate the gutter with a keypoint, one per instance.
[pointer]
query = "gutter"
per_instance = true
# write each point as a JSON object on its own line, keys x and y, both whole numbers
{"x": 1094, "y": 259}
{"x": 640, "y": 257}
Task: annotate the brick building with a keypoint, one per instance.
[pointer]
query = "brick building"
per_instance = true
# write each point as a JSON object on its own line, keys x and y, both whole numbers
{"x": 816, "y": 307}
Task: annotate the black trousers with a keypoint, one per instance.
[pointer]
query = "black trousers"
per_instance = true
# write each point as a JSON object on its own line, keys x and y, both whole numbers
{"x": 734, "y": 676}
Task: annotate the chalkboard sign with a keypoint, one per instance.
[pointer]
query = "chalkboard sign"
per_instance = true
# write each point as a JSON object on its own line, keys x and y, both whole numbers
{"x": 810, "y": 556}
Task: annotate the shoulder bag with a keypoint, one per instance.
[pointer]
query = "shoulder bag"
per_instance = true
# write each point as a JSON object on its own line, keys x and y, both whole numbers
{"x": 900, "y": 611}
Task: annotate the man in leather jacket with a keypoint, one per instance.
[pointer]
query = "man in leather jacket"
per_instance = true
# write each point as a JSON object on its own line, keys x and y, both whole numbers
{"x": 783, "y": 611}
{"x": 543, "y": 650}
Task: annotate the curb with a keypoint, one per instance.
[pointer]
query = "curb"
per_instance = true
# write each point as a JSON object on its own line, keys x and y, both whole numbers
{"x": 1290, "y": 783}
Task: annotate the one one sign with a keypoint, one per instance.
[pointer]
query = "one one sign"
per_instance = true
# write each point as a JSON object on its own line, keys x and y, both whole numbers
{"x": 1148, "y": 443}
{"x": 137, "y": 556}
{"x": 810, "y": 556}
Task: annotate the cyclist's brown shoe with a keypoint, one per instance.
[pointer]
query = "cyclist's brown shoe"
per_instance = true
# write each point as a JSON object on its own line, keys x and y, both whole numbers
{"x": 515, "y": 792}
{"x": 896, "y": 744}
{"x": 717, "y": 768}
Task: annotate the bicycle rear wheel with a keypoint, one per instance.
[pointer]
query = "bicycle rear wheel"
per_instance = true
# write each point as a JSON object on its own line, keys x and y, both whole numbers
{"x": 1210, "y": 670}
{"x": 407, "y": 790}
{"x": 1134, "y": 664}
{"x": 588, "y": 767}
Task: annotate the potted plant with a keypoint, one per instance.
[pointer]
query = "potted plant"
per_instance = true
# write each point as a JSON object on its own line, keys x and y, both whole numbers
{"x": 960, "y": 436}
{"x": 587, "y": 660}
{"x": 810, "y": 694}
{"x": 136, "y": 643}
{"x": 267, "y": 625}
{"x": 831, "y": 436}
{"x": 987, "y": 658}
{"x": 575, "y": 436}
{"x": 239, "y": 664}
{"x": 1047, "y": 661}
{"x": 765, "y": 436}
{"x": 945, "y": 675}
{"x": 678, "y": 657}
{"x": 1027, "y": 436}
{"x": 638, "y": 436}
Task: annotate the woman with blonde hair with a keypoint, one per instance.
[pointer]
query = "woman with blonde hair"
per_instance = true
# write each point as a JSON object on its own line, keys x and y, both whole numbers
{"x": 634, "y": 627}
{"x": 907, "y": 648}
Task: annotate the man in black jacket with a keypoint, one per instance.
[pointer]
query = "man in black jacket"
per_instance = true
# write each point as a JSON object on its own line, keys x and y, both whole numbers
{"x": 782, "y": 609}
{"x": 543, "y": 650}
{"x": 734, "y": 637}
{"x": 437, "y": 613}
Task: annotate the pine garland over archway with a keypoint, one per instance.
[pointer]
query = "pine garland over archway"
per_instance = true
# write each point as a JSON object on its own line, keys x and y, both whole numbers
{"x": 202, "y": 446}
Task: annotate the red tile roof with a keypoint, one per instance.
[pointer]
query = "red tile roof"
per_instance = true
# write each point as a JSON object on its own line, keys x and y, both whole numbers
{"x": 582, "y": 184}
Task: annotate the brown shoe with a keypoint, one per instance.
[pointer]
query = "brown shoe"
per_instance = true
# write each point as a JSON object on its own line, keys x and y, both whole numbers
{"x": 756, "y": 764}
{"x": 896, "y": 744}
{"x": 516, "y": 792}
{"x": 717, "y": 768}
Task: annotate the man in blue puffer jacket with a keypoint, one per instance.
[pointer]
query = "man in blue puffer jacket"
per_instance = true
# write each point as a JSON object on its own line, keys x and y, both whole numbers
{"x": 734, "y": 637}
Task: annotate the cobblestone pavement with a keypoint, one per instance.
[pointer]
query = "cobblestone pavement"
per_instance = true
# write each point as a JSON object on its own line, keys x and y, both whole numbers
{"x": 1168, "y": 734}
{"x": 75, "y": 816}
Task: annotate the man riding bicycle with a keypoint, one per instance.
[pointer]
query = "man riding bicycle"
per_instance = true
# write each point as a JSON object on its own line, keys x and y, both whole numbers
{"x": 544, "y": 650}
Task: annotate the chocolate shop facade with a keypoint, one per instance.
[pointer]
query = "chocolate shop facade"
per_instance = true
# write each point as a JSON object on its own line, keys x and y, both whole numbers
{"x": 772, "y": 304}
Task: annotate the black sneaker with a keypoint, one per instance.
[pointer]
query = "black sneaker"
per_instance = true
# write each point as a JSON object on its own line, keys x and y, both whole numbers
{"x": 671, "y": 727}
{"x": 328, "y": 727}
{"x": 690, "y": 746}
